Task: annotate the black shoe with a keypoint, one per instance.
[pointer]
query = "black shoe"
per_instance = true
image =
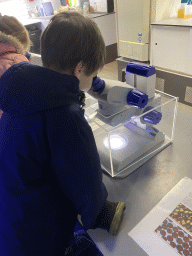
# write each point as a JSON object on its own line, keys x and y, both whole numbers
{"x": 117, "y": 219}
{"x": 110, "y": 217}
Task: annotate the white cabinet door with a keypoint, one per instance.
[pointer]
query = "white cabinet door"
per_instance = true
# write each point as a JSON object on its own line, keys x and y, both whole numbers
{"x": 171, "y": 48}
{"x": 133, "y": 17}
{"x": 107, "y": 26}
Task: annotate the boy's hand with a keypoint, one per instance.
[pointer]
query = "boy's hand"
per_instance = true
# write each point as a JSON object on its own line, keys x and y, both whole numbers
{"x": 28, "y": 56}
{"x": 1, "y": 112}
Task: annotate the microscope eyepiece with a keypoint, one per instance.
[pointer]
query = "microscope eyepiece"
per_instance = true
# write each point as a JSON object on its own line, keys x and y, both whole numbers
{"x": 98, "y": 85}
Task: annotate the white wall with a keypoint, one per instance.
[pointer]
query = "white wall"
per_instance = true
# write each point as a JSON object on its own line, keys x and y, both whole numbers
{"x": 164, "y": 9}
{"x": 160, "y": 9}
{"x": 19, "y": 8}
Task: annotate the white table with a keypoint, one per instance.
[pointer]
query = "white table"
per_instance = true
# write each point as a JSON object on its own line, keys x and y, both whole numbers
{"x": 143, "y": 189}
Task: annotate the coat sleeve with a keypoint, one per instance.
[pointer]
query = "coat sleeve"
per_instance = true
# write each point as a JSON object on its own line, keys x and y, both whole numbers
{"x": 75, "y": 160}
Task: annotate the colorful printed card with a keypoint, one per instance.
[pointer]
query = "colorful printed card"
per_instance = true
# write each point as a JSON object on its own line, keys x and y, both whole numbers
{"x": 167, "y": 229}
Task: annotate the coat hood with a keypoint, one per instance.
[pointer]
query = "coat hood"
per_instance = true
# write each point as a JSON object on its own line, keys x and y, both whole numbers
{"x": 11, "y": 52}
{"x": 13, "y": 41}
{"x": 27, "y": 88}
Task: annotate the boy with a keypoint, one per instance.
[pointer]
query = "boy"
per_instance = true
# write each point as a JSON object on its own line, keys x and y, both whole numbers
{"x": 49, "y": 165}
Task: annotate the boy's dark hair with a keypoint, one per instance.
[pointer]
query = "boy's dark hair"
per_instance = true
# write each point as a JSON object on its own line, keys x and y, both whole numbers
{"x": 70, "y": 38}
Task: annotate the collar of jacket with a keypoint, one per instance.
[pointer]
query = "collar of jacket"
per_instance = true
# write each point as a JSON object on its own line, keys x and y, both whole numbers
{"x": 12, "y": 41}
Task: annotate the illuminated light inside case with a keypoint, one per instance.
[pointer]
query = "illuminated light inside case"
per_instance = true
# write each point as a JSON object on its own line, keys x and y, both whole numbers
{"x": 117, "y": 142}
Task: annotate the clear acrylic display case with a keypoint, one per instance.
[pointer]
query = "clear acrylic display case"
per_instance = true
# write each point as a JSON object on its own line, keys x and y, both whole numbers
{"x": 125, "y": 146}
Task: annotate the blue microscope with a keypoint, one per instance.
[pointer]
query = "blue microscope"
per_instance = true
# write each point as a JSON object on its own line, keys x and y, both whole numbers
{"x": 131, "y": 143}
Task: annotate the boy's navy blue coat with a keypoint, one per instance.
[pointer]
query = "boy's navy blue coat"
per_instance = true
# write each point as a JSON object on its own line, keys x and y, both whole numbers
{"x": 49, "y": 164}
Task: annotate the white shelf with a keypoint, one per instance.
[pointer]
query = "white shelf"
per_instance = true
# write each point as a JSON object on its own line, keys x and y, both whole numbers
{"x": 174, "y": 22}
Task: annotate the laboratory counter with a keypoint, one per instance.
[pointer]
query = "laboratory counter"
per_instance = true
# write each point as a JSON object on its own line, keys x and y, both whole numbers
{"x": 143, "y": 189}
{"x": 91, "y": 15}
{"x": 45, "y": 19}
{"x": 174, "y": 22}
{"x": 105, "y": 21}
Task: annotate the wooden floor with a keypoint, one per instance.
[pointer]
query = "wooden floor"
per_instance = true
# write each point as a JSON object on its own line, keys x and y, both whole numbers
{"x": 110, "y": 71}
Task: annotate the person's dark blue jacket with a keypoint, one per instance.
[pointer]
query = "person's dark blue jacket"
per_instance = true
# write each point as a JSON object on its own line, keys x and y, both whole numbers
{"x": 50, "y": 169}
